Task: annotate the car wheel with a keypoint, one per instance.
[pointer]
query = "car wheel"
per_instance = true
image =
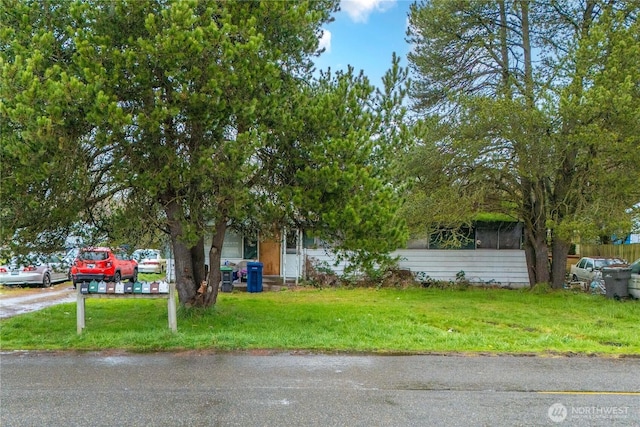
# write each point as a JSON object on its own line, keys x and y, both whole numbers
{"x": 46, "y": 281}
{"x": 574, "y": 278}
{"x": 134, "y": 278}
{"x": 117, "y": 277}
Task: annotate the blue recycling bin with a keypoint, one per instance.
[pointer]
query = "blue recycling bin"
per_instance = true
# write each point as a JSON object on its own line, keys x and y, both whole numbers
{"x": 254, "y": 277}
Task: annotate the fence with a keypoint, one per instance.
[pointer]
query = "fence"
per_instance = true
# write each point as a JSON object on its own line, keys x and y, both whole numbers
{"x": 628, "y": 252}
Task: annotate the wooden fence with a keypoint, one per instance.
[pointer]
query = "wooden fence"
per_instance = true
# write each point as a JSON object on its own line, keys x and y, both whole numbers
{"x": 628, "y": 252}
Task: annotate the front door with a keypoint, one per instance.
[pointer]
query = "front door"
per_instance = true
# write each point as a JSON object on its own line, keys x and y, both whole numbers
{"x": 270, "y": 257}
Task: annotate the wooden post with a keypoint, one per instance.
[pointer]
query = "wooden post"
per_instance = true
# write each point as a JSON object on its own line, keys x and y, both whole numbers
{"x": 171, "y": 308}
{"x": 171, "y": 305}
{"x": 79, "y": 310}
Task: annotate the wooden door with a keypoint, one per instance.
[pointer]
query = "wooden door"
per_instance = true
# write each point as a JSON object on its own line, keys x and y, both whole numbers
{"x": 270, "y": 257}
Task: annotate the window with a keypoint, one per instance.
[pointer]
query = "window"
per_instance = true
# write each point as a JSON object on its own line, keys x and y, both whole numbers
{"x": 498, "y": 235}
{"x": 292, "y": 239}
{"x": 250, "y": 248}
{"x": 232, "y": 246}
{"x": 94, "y": 255}
{"x": 482, "y": 235}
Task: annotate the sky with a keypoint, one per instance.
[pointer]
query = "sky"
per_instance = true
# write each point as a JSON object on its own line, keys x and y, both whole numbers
{"x": 365, "y": 34}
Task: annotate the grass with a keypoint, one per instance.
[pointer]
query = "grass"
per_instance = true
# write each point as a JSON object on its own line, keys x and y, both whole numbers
{"x": 413, "y": 320}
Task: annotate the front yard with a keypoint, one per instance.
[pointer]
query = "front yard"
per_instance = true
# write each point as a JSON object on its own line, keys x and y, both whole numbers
{"x": 414, "y": 320}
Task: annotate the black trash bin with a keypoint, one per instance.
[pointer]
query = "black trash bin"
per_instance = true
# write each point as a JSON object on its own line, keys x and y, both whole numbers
{"x": 227, "y": 278}
{"x": 616, "y": 281}
{"x": 254, "y": 277}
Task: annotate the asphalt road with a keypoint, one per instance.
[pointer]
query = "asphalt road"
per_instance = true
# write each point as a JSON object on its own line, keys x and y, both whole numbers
{"x": 206, "y": 389}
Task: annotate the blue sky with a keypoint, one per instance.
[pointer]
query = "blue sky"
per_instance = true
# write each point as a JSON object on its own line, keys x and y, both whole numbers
{"x": 364, "y": 34}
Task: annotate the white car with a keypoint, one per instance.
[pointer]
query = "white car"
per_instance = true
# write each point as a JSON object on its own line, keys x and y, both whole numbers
{"x": 589, "y": 269}
{"x": 150, "y": 261}
{"x": 43, "y": 270}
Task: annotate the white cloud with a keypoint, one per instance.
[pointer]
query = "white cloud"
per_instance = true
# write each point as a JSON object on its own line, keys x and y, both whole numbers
{"x": 325, "y": 41}
{"x": 359, "y": 10}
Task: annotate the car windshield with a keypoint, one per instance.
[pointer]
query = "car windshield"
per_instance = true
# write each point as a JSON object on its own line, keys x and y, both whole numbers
{"x": 93, "y": 255}
{"x": 141, "y": 254}
{"x": 30, "y": 259}
{"x": 599, "y": 263}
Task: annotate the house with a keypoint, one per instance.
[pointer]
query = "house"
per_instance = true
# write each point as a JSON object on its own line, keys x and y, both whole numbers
{"x": 492, "y": 254}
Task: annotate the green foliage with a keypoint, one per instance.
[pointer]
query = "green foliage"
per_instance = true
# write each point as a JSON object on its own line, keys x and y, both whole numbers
{"x": 550, "y": 140}
{"x": 152, "y": 118}
{"x": 42, "y": 104}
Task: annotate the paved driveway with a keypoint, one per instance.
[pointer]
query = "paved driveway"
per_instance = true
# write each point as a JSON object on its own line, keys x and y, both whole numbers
{"x": 16, "y": 300}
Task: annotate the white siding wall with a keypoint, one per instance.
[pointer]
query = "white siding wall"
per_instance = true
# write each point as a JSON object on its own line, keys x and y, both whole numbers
{"x": 505, "y": 267}
{"x": 324, "y": 257}
{"x": 500, "y": 267}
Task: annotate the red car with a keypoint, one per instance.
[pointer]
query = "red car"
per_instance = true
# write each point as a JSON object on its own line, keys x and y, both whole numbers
{"x": 103, "y": 264}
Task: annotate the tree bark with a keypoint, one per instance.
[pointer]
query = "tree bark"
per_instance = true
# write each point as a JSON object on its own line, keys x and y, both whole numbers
{"x": 198, "y": 262}
{"x": 537, "y": 256}
{"x": 215, "y": 255}
{"x": 536, "y": 248}
{"x": 559, "y": 252}
{"x": 567, "y": 171}
{"x": 185, "y": 280}
{"x": 526, "y": 49}
{"x": 504, "y": 51}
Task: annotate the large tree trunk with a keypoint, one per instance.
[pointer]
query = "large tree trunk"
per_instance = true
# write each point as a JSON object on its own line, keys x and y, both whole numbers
{"x": 215, "y": 255}
{"x": 537, "y": 256}
{"x": 560, "y": 197}
{"x": 559, "y": 252}
{"x": 534, "y": 190}
{"x": 185, "y": 275}
{"x": 198, "y": 262}
{"x": 185, "y": 281}
{"x": 536, "y": 248}
{"x": 196, "y": 287}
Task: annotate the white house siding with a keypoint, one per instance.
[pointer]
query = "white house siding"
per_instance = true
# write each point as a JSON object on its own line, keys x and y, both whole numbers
{"x": 491, "y": 266}
{"x": 500, "y": 266}
{"x": 325, "y": 258}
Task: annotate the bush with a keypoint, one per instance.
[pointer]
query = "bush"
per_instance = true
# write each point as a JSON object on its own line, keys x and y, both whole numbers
{"x": 320, "y": 275}
{"x": 397, "y": 278}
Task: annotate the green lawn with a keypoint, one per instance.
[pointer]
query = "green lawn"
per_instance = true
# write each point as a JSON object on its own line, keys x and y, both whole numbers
{"x": 411, "y": 320}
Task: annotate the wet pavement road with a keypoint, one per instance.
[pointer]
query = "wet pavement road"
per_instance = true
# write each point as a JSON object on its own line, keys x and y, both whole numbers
{"x": 207, "y": 389}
